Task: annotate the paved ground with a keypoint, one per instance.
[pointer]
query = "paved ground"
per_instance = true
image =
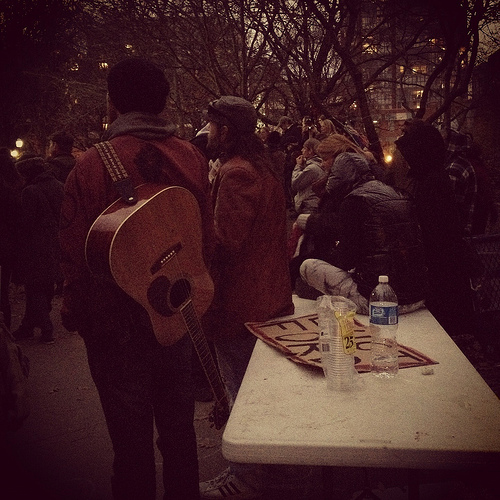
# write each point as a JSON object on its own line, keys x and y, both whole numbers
{"x": 64, "y": 451}
{"x": 64, "y": 445}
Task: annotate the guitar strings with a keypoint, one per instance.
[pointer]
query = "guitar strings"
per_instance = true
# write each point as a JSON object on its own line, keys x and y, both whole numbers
{"x": 199, "y": 340}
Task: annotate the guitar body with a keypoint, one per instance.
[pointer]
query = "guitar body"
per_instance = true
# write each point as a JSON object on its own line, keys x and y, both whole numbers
{"x": 153, "y": 251}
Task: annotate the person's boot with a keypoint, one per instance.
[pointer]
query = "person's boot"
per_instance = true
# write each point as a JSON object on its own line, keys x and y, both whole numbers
{"x": 47, "y": 337}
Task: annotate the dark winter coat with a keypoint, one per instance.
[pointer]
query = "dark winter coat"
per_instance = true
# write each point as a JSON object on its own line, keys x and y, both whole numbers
{"x": 424, "y": 150}
{"x": 61, "y": 165}
{"x": 41, "y": 201}
{"x": 10, "y": 212}
{"x": 374, "y": 231}
{"x": 291, "y": 138}
{"x": 291, "y": 143}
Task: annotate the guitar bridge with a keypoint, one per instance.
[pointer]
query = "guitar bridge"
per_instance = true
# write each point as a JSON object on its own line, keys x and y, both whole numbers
{"x": 165, "y": 257}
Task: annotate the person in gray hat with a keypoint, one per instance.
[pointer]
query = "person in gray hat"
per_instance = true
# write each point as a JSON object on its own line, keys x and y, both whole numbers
{"x": 237, "y": 111}
{"x": 250, "y": 267}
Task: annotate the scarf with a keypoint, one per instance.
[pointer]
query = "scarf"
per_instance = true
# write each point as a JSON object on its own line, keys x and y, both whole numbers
{"x": 145, "y": 126}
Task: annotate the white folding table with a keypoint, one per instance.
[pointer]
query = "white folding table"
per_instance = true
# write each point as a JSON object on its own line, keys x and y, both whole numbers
{"x": 442, "y": 416}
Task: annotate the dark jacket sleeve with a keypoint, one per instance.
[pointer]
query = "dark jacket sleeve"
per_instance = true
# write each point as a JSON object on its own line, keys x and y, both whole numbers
{"x": 338, "y": 236}
{"x": 352, "y": 215}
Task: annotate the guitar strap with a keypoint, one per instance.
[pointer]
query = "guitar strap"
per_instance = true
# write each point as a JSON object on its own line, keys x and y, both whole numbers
{"x": 116, "y": 170}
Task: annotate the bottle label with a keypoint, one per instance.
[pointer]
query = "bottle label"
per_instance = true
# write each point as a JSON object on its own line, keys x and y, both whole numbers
{"x": 384, "y": 315}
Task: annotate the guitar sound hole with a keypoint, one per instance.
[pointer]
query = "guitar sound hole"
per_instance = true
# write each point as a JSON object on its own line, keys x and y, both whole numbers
{"x": 158, "y": 294}
{"x": 180, "y": 292}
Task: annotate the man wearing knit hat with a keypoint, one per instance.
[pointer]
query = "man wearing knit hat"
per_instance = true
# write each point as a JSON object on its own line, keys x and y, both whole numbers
{"x": 142, "y": 384}
{"x": 250, "y": 267}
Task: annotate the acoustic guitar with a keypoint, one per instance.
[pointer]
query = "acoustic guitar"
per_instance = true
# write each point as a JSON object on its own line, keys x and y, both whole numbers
{"x": 152, "y": 250}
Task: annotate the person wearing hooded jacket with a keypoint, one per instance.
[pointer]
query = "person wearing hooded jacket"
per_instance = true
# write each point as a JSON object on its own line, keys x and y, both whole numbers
{"x": 424, "y": 150}
{"x": 41, "y": 200}
{"x": 367, "y": 230}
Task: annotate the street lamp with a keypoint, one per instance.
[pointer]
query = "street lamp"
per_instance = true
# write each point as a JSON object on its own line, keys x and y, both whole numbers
{"x": 19, "y": 143}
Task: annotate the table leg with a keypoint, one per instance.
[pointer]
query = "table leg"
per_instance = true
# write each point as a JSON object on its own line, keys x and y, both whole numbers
{"x": 327, "y": 482}
{"x": 413, "y": 484}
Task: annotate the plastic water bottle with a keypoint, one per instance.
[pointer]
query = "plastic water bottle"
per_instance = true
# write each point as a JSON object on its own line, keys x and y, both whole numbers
{"x": 335, "y": 316}
{"x": 384, "y": 326}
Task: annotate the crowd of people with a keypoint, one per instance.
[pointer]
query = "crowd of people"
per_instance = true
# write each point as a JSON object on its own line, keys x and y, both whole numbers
{"x": 353, "y": 220}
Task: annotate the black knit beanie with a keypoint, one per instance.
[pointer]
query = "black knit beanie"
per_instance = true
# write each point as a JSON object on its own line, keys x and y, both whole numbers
{"x": 137, "y": 85}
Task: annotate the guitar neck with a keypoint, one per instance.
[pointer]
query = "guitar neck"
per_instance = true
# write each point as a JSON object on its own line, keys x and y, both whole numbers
{"x": 203, "y": 350}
